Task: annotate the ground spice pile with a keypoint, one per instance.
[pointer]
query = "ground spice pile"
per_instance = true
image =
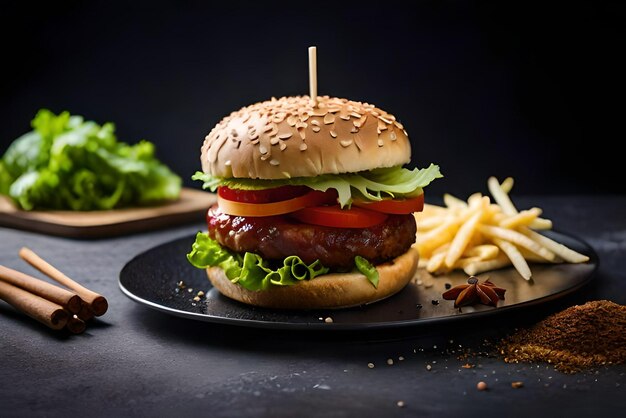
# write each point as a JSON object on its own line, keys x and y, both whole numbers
{"x": 579, "y": 337}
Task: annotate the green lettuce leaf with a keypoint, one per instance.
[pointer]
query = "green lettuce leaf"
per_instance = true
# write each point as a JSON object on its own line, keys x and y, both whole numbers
{"x": 395, "y": 182}
{"x": 66, "y": 162}
{"x": 251, "y": 271}
{"x": 367, "y": 269}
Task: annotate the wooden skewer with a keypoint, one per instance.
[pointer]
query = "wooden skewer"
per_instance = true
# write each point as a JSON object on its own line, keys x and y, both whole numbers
{"x": 44, "y": 311}
{"x": 313, "y": 75}
{"x": 75, "y": 325}
{"x": 69, "y": 300}
{"x": 96, "y": 302}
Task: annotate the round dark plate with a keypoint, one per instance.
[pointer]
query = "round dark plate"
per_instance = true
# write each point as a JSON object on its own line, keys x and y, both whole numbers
{"x": 152, "y": 278}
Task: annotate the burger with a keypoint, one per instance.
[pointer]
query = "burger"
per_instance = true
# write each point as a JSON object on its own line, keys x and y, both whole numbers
{"x": 314, "y": 209}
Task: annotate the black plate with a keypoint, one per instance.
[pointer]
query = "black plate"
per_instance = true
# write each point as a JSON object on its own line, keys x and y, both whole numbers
{"x": 151, "y": 279}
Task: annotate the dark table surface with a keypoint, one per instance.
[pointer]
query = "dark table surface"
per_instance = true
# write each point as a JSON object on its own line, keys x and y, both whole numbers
{"x": 136, "y": 361}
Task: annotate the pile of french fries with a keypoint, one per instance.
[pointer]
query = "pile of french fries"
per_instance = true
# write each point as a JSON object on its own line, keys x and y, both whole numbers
{"x": 478, "y": 235}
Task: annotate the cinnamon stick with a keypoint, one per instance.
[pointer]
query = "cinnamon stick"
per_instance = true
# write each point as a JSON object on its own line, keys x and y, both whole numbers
{"x": 85, "y": 313}
{"x": 69, "y": 300}
{"x": 44, "y": 311}
{"x": 96, "y": 302}
{"x": 75, "y": 325}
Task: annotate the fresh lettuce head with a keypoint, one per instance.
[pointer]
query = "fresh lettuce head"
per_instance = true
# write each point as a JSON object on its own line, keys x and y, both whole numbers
{"x": 66, "y": 162}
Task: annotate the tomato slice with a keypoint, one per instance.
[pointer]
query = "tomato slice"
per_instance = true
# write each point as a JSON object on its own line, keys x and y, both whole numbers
{"x": 312, "y": 198}
{"x": 336, "y": 217}
{"x": 396, "y": 207}
{"x": 275, "y": 194}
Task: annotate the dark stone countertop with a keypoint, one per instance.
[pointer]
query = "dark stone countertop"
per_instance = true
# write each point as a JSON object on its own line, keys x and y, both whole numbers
{"x": 138, "y": 362}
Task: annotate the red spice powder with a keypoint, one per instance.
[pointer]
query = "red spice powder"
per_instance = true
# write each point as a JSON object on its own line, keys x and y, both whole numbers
{"x": 579, "y": 337}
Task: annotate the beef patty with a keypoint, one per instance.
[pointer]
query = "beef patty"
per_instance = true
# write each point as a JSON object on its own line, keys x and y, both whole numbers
{"x": 277, "y": 237}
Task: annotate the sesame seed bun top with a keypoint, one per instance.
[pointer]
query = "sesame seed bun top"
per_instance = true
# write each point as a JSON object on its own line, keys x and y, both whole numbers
{"x": 289, "y": 137}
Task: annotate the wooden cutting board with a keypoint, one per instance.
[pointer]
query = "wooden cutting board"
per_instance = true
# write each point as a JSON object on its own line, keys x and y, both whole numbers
{"x": 191, "y": 207}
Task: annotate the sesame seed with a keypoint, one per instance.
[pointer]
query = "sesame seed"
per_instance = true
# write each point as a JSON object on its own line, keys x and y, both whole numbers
{"x": 328, "y": 320}
{"x": 370, "y": 365}
{"x": 400, "y": 404}
{"x": 429, "y": 367}
{"x": 390, "y": 361}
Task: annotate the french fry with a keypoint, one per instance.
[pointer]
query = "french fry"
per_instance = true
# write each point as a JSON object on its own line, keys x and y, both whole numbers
{"x": 435, "y": 262}
{"x": 534, "y": 258}
{"x": 541, "y": 223}
{"x": 466, "y": 261}
{"x": 453, "y": 202}
{"x": 427, "y": 223}
{"x": 525, "y": 217}
{"x": 433, "y": 210}
{"x": 478, "y": 267}
{"x": 517, "y": 259}
{"x": 442, "y": 249}
{"x": 436, "y": 237}
{"x": 517, "y": 238}
{"x": 475, "y": 200}
{"x": 507, "y": 185}
{"x": 461, "y": 239}
{"x": 561, "y": 250}
{"x": 501, "y": 197}
{"x": 483, "y": 251}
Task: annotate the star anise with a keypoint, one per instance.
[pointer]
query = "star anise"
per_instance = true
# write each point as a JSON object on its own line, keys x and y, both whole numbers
{"x": 473, "y": 292}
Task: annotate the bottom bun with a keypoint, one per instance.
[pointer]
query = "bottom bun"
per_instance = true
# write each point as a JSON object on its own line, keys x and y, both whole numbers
{"x": 337, "y": 290}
